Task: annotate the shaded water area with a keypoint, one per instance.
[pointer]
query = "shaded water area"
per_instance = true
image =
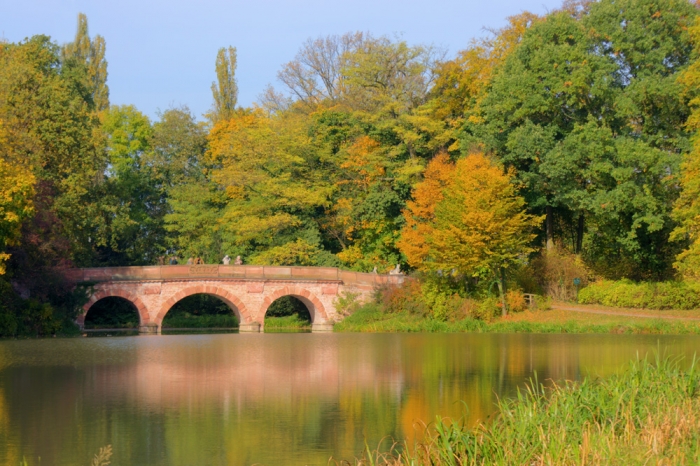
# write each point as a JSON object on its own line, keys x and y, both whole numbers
{"x": 273, "y": 399}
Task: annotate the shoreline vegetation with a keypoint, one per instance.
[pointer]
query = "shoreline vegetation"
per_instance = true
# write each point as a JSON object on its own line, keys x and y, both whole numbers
{"x": 648, "y": 414}
{"x": 426, "y": 304}
{"x": 370, "y": 319}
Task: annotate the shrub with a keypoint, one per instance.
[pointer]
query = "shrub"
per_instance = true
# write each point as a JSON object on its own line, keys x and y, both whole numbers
{"x": 347, "y": 303}
{"x": 557, "y": 269}
{"x": 625, "y": 293}
{"x": 407, "y": 297}
{"x": 515, "y": 301}
{"x": 486, "y": 309}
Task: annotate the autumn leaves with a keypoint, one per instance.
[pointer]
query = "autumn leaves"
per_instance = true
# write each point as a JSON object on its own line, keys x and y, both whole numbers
{"x": 466, "y": 218}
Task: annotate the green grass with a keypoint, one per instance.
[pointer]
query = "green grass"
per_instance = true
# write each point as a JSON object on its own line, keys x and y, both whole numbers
{"x": 203, "y": 321}
{"x": 371, "y": 318}
{"x": 287, "y": 322}
{"x": 649, "y": 414}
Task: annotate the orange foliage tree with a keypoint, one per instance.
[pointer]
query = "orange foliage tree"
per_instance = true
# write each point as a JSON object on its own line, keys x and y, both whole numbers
{"x": 468, "y": 218}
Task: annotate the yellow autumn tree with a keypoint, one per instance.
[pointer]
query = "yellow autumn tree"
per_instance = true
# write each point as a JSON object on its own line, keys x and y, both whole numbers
{"x": 687, "y": 208}
{"x": 16, "y": 191}
{"x": 420, "y": 212}
{"x": 476, "y": 225}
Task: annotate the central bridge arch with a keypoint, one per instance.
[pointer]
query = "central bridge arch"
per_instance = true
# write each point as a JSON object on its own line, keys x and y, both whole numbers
{"x": 236, "y": 305}
{"x": 312, "y": 303}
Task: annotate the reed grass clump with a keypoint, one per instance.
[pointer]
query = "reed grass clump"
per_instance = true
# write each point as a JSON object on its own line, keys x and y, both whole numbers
{"x": 293, "y": 321}
{"x": 649, "y": 414}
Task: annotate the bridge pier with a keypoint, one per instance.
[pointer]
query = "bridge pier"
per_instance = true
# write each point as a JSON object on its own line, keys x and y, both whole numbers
{"x": 322, "y": 327}
{"x": 149, "y": 329}
{"x": 251, "y": 327}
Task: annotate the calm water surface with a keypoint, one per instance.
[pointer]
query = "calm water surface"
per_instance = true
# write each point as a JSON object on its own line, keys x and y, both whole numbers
{"x": 272, "y": 399}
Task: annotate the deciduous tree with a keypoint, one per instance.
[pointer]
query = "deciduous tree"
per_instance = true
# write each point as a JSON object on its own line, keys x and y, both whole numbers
{"x": 225, "y": 89}
{"x": 91, "y": 53}
{"x": 476, "y": 225}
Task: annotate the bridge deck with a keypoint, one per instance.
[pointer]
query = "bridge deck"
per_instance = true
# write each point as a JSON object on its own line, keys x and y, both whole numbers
{"x": 241, "y": 272}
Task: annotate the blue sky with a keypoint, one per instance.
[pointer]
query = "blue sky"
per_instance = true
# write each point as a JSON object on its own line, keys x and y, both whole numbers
{"x": 162, "y": 53}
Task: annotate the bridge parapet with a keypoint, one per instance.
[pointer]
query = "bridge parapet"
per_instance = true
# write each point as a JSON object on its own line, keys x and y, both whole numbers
{"x": 245, "y": 272}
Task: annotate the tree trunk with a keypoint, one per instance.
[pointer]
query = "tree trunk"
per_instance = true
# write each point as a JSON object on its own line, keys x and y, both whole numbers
{"x": 502, "y": 291}
{"x": 579, "y": 234}
{"x": 549, "y": 227}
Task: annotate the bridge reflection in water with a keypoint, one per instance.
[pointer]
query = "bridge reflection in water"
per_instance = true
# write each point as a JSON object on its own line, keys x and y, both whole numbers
{"x": 247, "y": 290}
{"x": 272, "y": 399}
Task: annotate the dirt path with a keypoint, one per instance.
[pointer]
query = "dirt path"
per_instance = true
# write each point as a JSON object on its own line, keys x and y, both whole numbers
{"x": 614, "y": 312}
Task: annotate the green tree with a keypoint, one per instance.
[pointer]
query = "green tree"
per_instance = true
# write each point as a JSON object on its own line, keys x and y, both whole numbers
{"x": 178, "y": 144}
{"x": 567, "y": 110}
{"x": 90, "y": 52}
{"x": 225, "y": 89}
{"x": 134, "y": 207}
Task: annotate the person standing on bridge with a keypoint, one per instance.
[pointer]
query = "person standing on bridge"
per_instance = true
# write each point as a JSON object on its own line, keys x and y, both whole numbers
{"x": 227, "y": 260}
{"x": 190, "y": 261}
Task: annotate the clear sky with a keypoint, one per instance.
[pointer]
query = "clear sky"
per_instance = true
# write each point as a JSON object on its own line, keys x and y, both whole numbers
{"x": 162, "y": 53}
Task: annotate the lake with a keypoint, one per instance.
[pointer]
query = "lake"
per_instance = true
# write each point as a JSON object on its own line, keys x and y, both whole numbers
{"x": 273, "y": 399}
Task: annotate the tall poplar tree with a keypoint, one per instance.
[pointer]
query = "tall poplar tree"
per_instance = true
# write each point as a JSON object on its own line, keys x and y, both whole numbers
{"x": 225, "y": 89}
{"x": 91, "y": 52}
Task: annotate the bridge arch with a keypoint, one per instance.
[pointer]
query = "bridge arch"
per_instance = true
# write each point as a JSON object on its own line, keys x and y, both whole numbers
{"x": 312, "y": 303}
{"x": 236, "y": 305}
{"x": 115, "y": 293}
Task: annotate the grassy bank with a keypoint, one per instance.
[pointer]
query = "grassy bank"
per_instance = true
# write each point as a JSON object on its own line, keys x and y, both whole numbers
{"x": 371, "y": 318}
{"x": 650, "y": 414}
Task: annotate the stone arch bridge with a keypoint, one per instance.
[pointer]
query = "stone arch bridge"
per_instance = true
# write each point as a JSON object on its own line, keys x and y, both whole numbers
{"x": 248, "y": 290}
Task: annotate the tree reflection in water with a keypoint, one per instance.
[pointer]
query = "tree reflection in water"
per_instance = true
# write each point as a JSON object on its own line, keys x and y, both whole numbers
{"x": 271, "y": 399}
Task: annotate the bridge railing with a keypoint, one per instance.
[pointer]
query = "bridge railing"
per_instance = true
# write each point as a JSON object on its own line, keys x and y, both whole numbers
{"x": 245, "y": 272}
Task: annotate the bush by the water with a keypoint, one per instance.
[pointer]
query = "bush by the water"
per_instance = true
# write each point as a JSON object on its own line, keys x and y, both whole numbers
{"x": 625, "y": 293}
{"x": 445, "y": 299}
{"x": 650, "y": 414}
{"x": 53, "y": 310}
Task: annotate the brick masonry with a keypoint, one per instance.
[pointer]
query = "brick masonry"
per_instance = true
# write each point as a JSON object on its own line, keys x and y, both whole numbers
{"x": 248, "y": 299}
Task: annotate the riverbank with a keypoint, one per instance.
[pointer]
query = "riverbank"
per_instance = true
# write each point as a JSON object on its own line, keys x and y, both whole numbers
{"x": 370, "y": 318}
{"x": 650, "y": 414}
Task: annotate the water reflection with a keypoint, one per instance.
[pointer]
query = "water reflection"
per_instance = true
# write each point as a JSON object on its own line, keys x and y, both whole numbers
{"x": 270, "y": 398}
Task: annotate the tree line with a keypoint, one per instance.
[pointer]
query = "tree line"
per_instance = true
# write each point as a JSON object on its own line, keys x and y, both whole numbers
{"x": 574, "y": 130}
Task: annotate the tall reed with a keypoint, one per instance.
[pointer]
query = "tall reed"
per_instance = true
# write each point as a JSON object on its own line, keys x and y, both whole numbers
{"x": 649, "y": 414}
